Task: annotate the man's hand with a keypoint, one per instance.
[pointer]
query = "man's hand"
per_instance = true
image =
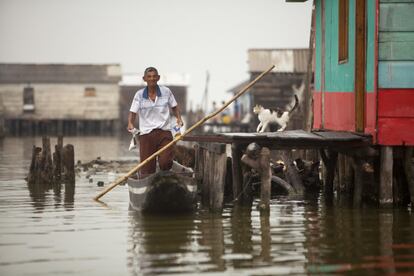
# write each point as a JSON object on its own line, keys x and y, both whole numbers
{"x": 130, "y": 127}
{"x": 180, "y": 122}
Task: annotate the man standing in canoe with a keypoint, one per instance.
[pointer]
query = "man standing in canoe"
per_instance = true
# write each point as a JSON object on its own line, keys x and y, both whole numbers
{"x": 152, "y": 104}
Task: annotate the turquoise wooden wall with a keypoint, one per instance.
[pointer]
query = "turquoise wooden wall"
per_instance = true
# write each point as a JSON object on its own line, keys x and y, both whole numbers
{"x": 396, "y": 44}
{"x": 341, "y": 77}
{"x": 338, "y": 77}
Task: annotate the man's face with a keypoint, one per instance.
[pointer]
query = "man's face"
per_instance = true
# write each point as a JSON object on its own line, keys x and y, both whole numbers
{"x": 151, "y": 78}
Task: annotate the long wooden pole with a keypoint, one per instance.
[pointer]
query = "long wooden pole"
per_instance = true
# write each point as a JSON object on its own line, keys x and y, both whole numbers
{"x": 124, "y": 178}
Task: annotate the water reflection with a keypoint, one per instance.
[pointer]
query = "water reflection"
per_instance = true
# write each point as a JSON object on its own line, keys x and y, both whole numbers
{"x": 40, "y": 193}
{"x": 362, "y": 241}
{"x": 160, "y": 243}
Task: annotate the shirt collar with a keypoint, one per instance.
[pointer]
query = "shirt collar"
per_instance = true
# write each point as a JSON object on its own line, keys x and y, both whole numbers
{"x": 146, "y": 92}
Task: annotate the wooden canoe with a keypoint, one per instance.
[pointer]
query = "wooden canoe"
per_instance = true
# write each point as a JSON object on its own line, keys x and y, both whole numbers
{"x": 163, "y": 192}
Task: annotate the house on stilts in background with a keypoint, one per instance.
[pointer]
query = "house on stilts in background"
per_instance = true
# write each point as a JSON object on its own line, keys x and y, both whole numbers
{"x": 364, "y": 80}
{"x": 276, "y": 90}
{"x": 59, "y": 98}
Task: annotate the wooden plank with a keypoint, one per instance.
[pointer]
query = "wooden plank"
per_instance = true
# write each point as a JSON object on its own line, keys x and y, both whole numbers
{"x": 396, "y": 50}
{"x": 396, "y": 17}
{"x": 395, "y": 37}
{"x": 396, "y": 103}
{"x": 396, "y": 74}
{"x": 340, "y": 136}
{"x": 396, "y": 1}
{"x": 396, "y": 46}
{"x": 207, "y": 138}
{"x": 395, "y": 131}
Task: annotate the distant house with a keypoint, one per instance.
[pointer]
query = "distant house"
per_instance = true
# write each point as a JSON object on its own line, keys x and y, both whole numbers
{"x": 60, "y": 98}
{"x": 131, "y": 83}
{"x": 277, "y": 89}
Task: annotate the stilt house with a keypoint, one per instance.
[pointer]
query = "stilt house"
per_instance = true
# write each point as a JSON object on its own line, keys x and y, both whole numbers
{"x": 60, "y": 98}
{"x": 364, "y": 68}
{"x": 364, "y": 83}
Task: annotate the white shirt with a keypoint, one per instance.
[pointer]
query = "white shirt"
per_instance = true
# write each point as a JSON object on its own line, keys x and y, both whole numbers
{"x": 153, "y": 114}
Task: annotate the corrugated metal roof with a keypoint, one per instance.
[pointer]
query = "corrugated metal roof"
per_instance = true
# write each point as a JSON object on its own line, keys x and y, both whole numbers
{"x": 60, "y": 73}
{"x": 285, "y": 60}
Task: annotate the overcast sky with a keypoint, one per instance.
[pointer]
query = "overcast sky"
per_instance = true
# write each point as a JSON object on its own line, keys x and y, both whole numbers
{"x": 176, "y": 36}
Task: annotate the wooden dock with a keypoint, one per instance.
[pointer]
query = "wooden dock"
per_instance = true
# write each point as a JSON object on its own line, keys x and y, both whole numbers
{"x": 289, "y": 139}
{"x": 212, "y": 149}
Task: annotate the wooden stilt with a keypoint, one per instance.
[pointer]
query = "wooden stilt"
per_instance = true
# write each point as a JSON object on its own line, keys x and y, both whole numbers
{"x": 265, "y": 179}
{"x": 409, "y": 171}
{"x": 205, "y": 193}
{"x": 57, "y": 161}
{"x": 329, "y": 159}
{"x": 236, "y": 153}
{"x": 385, "y": 190}
{"x": 68, "y": 162}
{"x": 358, "y": 181}
{"x": 46, "y": 163}
{"x": 34, "y": 173}
{"x": 218, "y": 182}
{"x": 292, "y": 175}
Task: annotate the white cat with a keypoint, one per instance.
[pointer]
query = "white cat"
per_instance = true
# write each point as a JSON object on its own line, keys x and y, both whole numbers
{"x": 267, "y": 116}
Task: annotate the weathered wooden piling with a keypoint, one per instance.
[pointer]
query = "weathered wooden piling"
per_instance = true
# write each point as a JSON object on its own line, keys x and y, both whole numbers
{"x": 34, "y": 171}
{"x": 409, "y": 170}
{"x": 46, "y": 165}
{"x": 260, "y": 163}
{"x": 358, "y": 181}
{"x": 49, "y": 171}
{"x": 236, "y": 153}
{"x": 385, "y": 189}
{"x": 211, "y": 170}
{"x": 57, "y": 160}
{"x": 265, "y": 179}
{"x": 291, "y": 173}
{"x": 68, "y": 163}
{"x": 329, "y": 159}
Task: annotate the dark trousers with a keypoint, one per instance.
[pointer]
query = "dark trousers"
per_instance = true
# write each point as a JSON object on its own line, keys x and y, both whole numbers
{"x": 150, "y": 143}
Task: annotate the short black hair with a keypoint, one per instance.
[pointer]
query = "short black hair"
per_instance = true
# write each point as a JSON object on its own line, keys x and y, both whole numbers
{"x": 150, "y": 69}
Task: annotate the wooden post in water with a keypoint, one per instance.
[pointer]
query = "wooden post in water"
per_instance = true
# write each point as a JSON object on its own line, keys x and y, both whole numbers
{"x": 409, "y": 171}
{"x": 68, "y": 163}
{"x": 292, "y": 175}
{"x": 34, "y": 172}
{"x": 358, "y": 181}
{"x": 265, "y": 178}
{"x": 386, "y": 163}
{"x": 212, "y": 162}
{"x": 57, "y": 160}
{"x": 236, "y": 154}
{"x": 46, "y": 162}
{"x": 219, "y": 161}
{"x": 205, "y": 192}
{"x": 329, "y": 159}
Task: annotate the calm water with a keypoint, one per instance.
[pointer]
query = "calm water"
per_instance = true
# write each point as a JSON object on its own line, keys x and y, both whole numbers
{"x": 70, "y": 234}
